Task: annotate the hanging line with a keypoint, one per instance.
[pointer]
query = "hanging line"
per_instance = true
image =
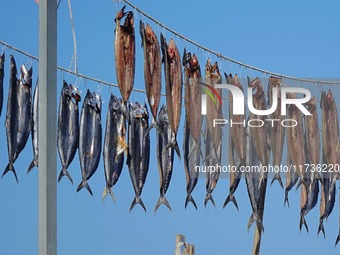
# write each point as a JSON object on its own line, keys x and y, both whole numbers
{"x": 219, "y": 55}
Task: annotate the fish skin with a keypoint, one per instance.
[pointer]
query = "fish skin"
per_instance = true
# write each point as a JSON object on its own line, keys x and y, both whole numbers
{"x": 152, "y": 67}
{"x": 191, "y": 155}
{"x": 276, "y": 132}
{"x": 139, "y": 150}
{"x": 2, "y": 74}
{"x": 259, "y": 134}
{"x": 213, "y": 135}
{"x": 34, "y": 129}
{"x": 330, "y": 139}
{"x": 254, "y": 181}
{"x": 19, "y": 113}
{"x": 165, "y": 158}
{"x": 235, "y": 177}
{"x": 68, "y": 128}
{"x": 295, "y": 139}
{"x": 114, "y": 144}
{"x": 125, "y": 50}
{"x": 193, "y": 94}
{"x": 173, "y": 86}
{"x": 90, "y": 138}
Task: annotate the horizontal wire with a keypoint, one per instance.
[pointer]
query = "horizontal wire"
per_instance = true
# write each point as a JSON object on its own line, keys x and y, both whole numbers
{"x": 219, "y": 55}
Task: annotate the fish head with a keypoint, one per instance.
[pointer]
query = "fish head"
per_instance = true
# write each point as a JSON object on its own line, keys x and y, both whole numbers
{"x": 75, "y": 93}
{"x": 116, "y": 104}
{"x": 311, "y": 104}
{"x": 129, "y": 21}
{"x": 26, "y": 76}
{"x": 2, "y": 59}
{"x": 237, "y": 82}
{"x": 120, "y": 14}
{"x": 215, "y": 71}
{"x": 66, "y": 91}
{"x": 90, "y": 99}
{"x": 150, "y": 34}
{"x": 274, "y": 82}
{"x": 98, "y": 102}
{"x": 13, "y": 64}
{"x": 172, "y": 49}
{"x": 208, "y": 68}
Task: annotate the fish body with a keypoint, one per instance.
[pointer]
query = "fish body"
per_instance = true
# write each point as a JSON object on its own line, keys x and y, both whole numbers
{"x": 139, "y": 150}
{"x": 114, "y": 144}
{"x": 19, "y": 113}
{"x": 2, "y": 74}
{"x": 125, "y": 50}
{"x": 191, "y": 155}
{"x": 68, "y": 127}
{"x": 90, "y": 138}
{"x": 165, "y": 156}
{"x": 34, "y": 131}
{"x": 276, "y": 132}
{"x": 173, "y": 85}
{"x": 152, "y": 67}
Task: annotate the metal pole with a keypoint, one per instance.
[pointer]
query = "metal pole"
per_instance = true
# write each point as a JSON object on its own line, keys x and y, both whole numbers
{"x": 47, "y": 127}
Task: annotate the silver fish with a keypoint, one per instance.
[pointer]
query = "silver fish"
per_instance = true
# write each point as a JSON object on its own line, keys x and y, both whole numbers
{"x": 90, "y": 138}
{"x": 34, "y": 132}
{"x": 191, "y": 151}
{"x": 165, "y": 158}
{"x": 68, "y": 127}
{"x": 2, "y": 74}
{"x": 114, "y": 144}
{"x": 139, "y": 150}
{"x": 19, "y": 113}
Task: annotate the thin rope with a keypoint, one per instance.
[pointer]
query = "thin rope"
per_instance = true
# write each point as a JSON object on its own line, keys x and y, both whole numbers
{"x": 219, "y": 55}
{"x": 74, "y": 57}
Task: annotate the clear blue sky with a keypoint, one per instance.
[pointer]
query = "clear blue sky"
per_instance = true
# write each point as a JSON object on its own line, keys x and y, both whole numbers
{"x": 298, "y": 38}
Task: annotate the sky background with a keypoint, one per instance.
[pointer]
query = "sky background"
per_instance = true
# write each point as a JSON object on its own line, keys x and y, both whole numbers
{"x": 298, "y": 38}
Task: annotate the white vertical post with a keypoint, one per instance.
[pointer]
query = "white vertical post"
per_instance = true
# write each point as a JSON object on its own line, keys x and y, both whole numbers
{"x": 47, "y": 127}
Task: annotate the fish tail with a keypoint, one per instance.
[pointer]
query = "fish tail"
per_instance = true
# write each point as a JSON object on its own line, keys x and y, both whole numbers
{"x": 178, "y": 152}
{"x": 64, "y": 172}
{"x": 10, "y": 167}
{"x": 231, "y": 198}
{"x": 86, "y": 185}
{"x": 337, "y": 239}
{"x": 190, "y": 199}
{"x": 286, "y": 198}
{"x": 108, "y": 190}
{"x": 137, "y": 200}
{"x": 255, "y": 218}
{"x": 207, "y": 198}
{"x": 321, "y": 228}
{"x": 164, "y": 201}
{"x": 277, "y": 177}
{"x": 32, "y": 165}
{"x": 303, "y": 222}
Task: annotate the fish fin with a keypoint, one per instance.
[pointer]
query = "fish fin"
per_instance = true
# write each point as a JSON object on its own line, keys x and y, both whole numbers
{"x": 231, "y": 198}
{"x": 123, "y": 145}
{"x": 286, "y": 198}
{"x": 303, "y": 222}
{"x": 207, "y": 198}
{"x": 299, "y": 184}
{"x": 86, "y": 185}
{"x": 64, "y": 172}
{"x": 173, "y": 144}
{"x": 106, "y": 191}
{"x": 337, "y": 239}
{"x": 321, "y": 228}
{"x": 164, "y": 201}
{"x": 10, "y": 167}
{"x": 137, "y": 200}
{"x": 190, "y": 199}
{"x": 255, "y": 218}
{"x": 32, "y": 165}
{"x": 277, "y": 177}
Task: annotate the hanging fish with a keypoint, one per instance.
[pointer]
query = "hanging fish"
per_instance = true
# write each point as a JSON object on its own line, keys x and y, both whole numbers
{"x": 276, "y": 132}
{"x": 19, "y": 113}
{"x": 255, "y": 181}
{"x": 90, "y": 138}
{"x": 310, "y": 191}
{"x": 173, "y": 85}
{"x": 330, "y": 143}
{"x": 165, "y": 156}
{"x": 213, "y": 135}
{"x": 68, "y": 127}
{"x": 139, "y": 150}
{"x": 125, "y": 51}
{"x": 34, "y": 132}
{"x": 237, "y": 143}
{"x": 192, "y": 153}
{"x": 114, "y": 144}
{"x": 2, "y": 74}
{"x": 152, "y": 68}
